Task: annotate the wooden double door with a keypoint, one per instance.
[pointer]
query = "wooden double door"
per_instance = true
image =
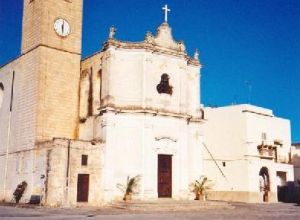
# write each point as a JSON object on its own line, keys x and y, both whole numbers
{"x": 164, "y": 176}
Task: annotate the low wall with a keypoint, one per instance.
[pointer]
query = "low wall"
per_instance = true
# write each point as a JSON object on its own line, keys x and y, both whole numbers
{"x": 240, "y": 196}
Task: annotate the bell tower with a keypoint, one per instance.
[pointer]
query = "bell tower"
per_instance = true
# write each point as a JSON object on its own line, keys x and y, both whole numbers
{"x": 53, "y": 23}
{"x": 51, "y": 36}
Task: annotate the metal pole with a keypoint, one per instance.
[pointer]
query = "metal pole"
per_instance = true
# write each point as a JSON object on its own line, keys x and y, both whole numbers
{"x": 8, "y": 135}
{"x": 6, "y": 155}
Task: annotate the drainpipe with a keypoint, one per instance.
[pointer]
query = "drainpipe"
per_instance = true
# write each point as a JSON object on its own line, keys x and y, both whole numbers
{"x": 8, "y": 134}
{"x": 67, "y": 173}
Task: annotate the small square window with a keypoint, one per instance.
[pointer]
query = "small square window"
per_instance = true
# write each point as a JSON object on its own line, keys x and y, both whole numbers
{"x": 84, "y": 160}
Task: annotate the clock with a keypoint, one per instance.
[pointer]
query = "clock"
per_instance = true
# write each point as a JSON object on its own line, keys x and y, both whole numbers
{"x": 62, "y": 27}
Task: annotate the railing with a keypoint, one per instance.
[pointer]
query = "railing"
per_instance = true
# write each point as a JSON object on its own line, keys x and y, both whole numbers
{"x": 267, "y": 151}
{"x": 271, "y": 152}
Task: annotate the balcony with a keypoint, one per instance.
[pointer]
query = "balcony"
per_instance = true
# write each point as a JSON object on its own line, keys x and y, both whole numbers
{"x": 267, "y": 151}
{"x": 271, "y": 152}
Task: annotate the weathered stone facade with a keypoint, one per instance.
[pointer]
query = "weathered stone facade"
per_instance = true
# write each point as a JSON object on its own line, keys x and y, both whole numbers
{"x": 40, "y": 99}
{"x": 65, "y": 112}
{"x": 121, "y": 106}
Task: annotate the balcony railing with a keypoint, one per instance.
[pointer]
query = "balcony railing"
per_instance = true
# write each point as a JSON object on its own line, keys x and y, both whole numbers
{"x": 271, "y": 152}
{"x": 267, "y": 151}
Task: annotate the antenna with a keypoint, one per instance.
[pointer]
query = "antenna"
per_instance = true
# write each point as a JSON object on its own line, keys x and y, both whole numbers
{"x": 249, "y": 85}
{"x": 234, "y": 102}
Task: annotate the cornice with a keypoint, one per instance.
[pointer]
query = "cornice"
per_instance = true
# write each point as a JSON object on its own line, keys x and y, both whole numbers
{"x": 113, "y": 43}
{"x": 162, "y": 43}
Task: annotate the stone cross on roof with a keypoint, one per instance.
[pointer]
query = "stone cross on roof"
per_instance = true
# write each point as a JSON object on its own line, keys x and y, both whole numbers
{"x": 166, "y": 10}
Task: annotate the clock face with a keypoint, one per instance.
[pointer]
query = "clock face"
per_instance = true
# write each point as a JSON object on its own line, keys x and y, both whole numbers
{"x": 62, "y": 27}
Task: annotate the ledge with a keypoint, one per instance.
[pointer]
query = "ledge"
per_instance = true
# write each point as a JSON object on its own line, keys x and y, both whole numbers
{"x": 154, "y": 112}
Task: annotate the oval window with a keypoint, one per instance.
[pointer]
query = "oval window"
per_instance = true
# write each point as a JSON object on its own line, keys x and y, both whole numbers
{"x": 164, "y": 85}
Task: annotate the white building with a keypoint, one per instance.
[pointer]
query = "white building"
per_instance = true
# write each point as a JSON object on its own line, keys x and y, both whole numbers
{"x": 247, "y": 153}
{"x": 296, "y": 162}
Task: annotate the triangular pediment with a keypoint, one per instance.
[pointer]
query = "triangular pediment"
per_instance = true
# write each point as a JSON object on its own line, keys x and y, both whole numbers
{"x": 164, "y": 38}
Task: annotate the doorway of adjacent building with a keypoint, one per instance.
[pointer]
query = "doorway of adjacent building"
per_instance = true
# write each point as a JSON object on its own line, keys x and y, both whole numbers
{"x": 83, "y": 187}
{"x": 164, "y": 177}
{"x": 264, "y": 183}
{"x": 282, "y": 189}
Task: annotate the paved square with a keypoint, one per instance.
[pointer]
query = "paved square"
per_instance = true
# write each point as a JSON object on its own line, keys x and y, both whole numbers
{"x": 238, "y": 211}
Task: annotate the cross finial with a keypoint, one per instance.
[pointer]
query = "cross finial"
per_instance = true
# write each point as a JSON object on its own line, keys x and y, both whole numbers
{"x": 166, "y": 10}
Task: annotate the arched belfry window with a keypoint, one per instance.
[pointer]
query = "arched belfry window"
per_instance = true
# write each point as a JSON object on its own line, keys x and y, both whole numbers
{"x": 164, "y": 85}
{"x": 1, "y": 94}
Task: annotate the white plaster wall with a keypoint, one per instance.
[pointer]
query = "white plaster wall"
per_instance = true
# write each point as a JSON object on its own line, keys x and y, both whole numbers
{"x": 254, "y": 167}
{"x": 276, "y": 129}
{"x": 225, "y": 133}
{"x": 131, "y": 149}
{"x": 130, "y": 78}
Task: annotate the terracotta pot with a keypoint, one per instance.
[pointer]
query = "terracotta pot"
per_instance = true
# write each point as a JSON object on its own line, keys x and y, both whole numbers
{"x": 200, "y": 196}
{"x": 266, "y": 196}
{"x": 127, "y": 197}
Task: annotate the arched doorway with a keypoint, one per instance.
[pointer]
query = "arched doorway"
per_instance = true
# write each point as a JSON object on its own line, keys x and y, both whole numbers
{"x": 264, "y": 183}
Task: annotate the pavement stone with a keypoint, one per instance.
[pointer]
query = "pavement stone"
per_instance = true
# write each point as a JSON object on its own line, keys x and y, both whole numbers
{"x": 245, "y": 211}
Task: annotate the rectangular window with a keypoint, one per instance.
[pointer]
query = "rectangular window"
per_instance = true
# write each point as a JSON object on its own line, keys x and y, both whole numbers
{"x": 84, "y": 160}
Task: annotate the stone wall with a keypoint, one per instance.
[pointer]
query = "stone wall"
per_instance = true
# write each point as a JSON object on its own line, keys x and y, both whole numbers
{"x": 52, "y": 159}
{"x": 58, "y": 94}
{"x": 45, "y": 92}
{"x": 18, "y": 126}
{"x": 64, "y": 161}
{"x": 38, "y": 20}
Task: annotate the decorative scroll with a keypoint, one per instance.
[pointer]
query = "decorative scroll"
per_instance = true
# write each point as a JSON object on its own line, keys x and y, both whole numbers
{"x": 165, "y": 138}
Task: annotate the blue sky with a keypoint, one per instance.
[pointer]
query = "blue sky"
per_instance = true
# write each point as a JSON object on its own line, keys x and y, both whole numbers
{"x": 256, "y": 41}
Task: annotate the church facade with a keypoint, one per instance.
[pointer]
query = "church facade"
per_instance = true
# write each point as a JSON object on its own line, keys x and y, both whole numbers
{"x": 75, "y": 129}
{"x": 75, "y": 133}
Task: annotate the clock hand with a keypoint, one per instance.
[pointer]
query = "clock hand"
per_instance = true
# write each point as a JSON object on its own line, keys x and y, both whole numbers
{"x": 62, "y": 27}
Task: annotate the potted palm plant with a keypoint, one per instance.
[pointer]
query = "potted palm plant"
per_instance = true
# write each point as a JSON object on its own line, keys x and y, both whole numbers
{"x": 130, "y": 187}
{"x": 19, "y": 191}
{"x": 199, "y": 187}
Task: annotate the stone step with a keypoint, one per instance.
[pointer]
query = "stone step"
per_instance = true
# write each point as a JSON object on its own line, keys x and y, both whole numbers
{"x": 170, "y": 205}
